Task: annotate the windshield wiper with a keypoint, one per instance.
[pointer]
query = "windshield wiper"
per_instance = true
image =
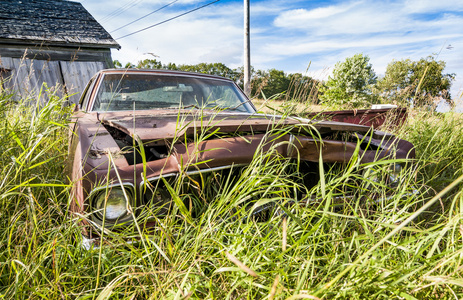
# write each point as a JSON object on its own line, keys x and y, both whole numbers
{"x": 191, "y": 105}
{"x": 235, "y": 107}
{"x": 183, "y": 107}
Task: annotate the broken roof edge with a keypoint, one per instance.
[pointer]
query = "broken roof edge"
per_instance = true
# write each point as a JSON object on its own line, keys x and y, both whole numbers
{"x": 56, "y": 42}
{"x": 52, "y": 23}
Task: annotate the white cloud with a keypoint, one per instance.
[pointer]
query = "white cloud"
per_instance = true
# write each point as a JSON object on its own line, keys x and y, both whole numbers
{"x": 303, "y": 45}
{"x": 197, "y": 41}
{"x": 287, "y": 35}
{"x": 212, "y": 34}
{"x": 300, "y": 18}
{"x": 432, "y": 6}
{"x": 363, "y": 18}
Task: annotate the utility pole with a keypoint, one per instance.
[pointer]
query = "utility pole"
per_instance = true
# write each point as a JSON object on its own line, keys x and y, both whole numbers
{"x": 247, "y": 51}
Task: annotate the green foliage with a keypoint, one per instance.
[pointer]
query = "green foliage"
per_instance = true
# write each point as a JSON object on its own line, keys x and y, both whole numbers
{"x": 272, "y": 83}
{"x": 218, "y": 69}
{"x": 129, "y": 65}
{"x": 420, "y": 83}
{"x": 41, "y": 256}
{"x": 351, "y": 84}
{"x": 303, "y": 89}
{"x": 438, "y": 140}
{"x": 276, "y": 84}
{"x": 117, "y": 64}
{"x": 149, "y": 64}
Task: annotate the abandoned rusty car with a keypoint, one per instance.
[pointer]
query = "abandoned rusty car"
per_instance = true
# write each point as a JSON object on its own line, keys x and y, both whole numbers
{"x": 137, "y": 132}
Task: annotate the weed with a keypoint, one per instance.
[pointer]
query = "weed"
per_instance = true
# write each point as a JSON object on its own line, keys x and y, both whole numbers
{"x": 404, "y": 247}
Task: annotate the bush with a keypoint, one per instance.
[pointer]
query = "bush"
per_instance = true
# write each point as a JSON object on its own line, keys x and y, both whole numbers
{"x": 351, "y": 84}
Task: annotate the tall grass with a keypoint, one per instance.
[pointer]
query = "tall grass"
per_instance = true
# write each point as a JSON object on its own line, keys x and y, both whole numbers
{"x": 361, "y": 249}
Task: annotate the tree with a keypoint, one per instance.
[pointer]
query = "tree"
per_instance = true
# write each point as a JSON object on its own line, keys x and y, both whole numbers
{"x": 271, "y": 83}
{"x": 420, "y": 83}
{"x": 303, "y": 89}
{"x": 129, "y": 65}
{"x": 351, "y": 84}
{"x": 149, "y": 64}
{"x": 117, "y": 64}
{"x": 218, "y": 69}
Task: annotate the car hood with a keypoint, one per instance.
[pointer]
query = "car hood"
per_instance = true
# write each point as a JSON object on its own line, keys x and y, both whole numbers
{"x": 166, "y": 125}
{"x": 227, "y": 138}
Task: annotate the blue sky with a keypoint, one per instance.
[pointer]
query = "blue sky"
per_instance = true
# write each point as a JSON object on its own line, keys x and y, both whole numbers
{"x": 290, "y": 35}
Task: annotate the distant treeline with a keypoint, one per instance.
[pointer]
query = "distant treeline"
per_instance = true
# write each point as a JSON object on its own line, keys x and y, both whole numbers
{"x": 353, "y": 83}
{"x": 271, "y": 83}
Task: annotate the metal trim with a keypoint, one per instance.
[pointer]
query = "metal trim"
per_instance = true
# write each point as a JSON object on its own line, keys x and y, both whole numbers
{"x": 194, "y": 172}
{"x": 107, "y": 186}
{"x": 291, "y": 145}
{"x": 103, "y": 73}
{"x": 94, "y": 89}
{"x": 95, "y": 191}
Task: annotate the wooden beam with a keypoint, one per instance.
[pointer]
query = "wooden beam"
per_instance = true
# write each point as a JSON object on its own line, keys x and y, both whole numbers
{"x": 53, "y": 54}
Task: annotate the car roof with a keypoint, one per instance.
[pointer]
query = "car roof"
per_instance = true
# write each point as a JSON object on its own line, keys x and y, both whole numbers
{"x": 162, "y": 72}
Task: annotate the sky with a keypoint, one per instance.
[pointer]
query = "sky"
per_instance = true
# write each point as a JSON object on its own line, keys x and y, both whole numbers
{"x": 303, "y": 36}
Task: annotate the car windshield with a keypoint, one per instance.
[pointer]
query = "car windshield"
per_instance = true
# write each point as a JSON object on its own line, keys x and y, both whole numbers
{"x": 119, "y": 92}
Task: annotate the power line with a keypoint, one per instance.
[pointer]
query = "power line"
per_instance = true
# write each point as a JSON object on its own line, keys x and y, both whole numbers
{"x": 165, "y": 21}
{"x": 115, "y": 11}
{"x": 144, "y": 16}
{"x": 120, "y": 10}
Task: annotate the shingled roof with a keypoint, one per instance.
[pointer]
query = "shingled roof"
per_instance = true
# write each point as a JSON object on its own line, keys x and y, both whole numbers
{"x": 51, "y": 22}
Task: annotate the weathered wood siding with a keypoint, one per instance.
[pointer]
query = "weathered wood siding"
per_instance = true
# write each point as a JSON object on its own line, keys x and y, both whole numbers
{"x": 76, "y": 75}
{"x": 28, "y": 76}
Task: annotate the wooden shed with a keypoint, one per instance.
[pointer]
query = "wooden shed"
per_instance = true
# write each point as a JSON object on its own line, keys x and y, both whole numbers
{"x": 56, "y": 42}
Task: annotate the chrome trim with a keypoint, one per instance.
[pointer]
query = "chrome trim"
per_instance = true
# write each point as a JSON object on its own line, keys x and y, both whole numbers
{"x": 94, "y": 89}
{"x": 89, "y": 243}
{"x": 96, "y": 86}
{"x": 162, "y": 72}
{"x": 95, "y": 243}
{"x": 143, "y": 183}
{"x": 194, "y": 172}
{"x": 214, "y": 169}
{"x": 95, "y": 191}
{"x": 291, "y": 145}
{"x": 107, "y": 186}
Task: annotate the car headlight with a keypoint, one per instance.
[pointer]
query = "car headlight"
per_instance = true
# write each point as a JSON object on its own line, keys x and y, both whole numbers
{"x": 111, "y": 204}
{"x": 394, "y": 173}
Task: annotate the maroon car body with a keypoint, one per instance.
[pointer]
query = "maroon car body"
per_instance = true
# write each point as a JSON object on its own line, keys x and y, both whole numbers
{"x": 369, "y": 117}
{"x": 128, "y": 134}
